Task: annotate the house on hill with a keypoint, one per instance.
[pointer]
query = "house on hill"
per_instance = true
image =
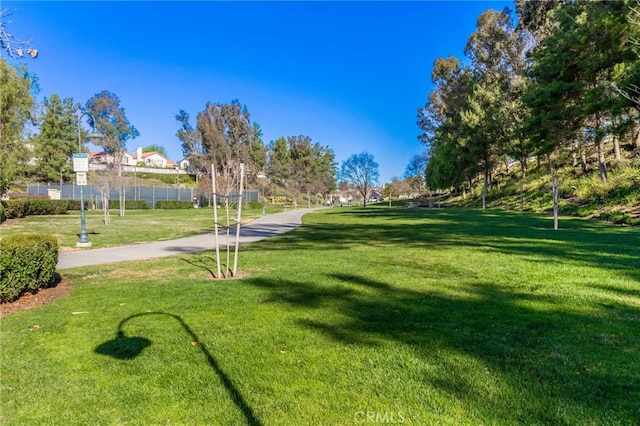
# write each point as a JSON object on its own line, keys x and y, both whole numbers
{"x": 152, "y": 159}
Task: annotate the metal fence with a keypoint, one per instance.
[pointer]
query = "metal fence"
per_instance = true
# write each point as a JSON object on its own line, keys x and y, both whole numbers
{"x": 150, "y": 194}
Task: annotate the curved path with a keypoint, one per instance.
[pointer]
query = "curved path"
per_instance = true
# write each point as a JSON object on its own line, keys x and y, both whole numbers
{"x": 266, "y": 226}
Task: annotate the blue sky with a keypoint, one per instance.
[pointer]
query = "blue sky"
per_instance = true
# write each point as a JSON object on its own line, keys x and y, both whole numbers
{"x": 350, "y": 75}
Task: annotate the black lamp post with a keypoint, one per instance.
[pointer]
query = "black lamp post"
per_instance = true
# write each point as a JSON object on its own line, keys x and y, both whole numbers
{"x": 95, "y": 138}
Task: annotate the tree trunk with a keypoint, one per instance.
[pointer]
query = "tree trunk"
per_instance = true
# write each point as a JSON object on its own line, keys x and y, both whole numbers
{"x": 123, "y": 196}
{"x": 214, "y": 196}
{"x": 121, "y": 187}
{"x": 583, "y": 160}
{"x": 227, "y": 209}
{"x": 616, "y": 148}
{"x": 238, "y": 218}
{"x": 364, "y": 195}
{"x": 602, "y": 166}
{"x": 636, "y": 138}
{"x": 484, "y": 188}
{"x": 554, "y": 190}
{"x": 523, "y": 169}
{"x": 105, "y": 205}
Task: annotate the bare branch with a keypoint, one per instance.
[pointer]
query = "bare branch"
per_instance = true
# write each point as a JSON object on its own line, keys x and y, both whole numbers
{"x": 12, "y": 45}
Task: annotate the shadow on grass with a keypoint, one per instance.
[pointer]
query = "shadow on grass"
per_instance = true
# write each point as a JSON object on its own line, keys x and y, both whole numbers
{"x": 578, "y": 241}
{"x": 206, "y": 263}
{"x": 126, "y": 348}
{"x": 550, "y": 358}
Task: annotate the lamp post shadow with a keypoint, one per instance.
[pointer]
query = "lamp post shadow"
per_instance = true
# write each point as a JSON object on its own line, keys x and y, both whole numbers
{"x": 124, "y": 347}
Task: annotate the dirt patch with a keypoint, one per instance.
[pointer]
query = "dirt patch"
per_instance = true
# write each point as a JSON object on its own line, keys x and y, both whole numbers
{"x": 237, "y": 276}
{"x": 42, "y": 297}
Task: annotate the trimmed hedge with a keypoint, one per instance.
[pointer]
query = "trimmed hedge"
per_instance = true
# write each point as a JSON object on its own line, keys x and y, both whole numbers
{"x": 15, "y": 209}
{"x": 27, "y": 263}
{"x": 174, "y": 205}
{"x": 128, "y": 204}
{"x": 75, "y": 205}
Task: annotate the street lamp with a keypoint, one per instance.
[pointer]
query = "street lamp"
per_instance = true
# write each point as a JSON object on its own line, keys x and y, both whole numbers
{"x": 95, "y": 138}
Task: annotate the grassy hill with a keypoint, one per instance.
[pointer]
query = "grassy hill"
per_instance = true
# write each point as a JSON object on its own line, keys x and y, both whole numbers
{"x": 583, "y": 195}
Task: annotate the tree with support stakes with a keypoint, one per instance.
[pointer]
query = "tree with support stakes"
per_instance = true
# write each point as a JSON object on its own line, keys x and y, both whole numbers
{"x": 222, "y": 143}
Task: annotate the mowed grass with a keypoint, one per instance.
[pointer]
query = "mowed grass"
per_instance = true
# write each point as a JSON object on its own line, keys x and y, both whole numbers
{"x": 136, "y": 226}
{"x": 413, "y": 316}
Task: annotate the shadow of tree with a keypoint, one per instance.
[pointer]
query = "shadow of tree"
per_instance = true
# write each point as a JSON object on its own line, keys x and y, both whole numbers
{"x": 579, "y": 241}
{"x": 202, "y": 262}
{"x": 554, "y": 355}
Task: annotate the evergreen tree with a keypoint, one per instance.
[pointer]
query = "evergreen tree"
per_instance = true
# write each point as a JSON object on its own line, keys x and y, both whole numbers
{"x": 58, "y": 139}
{"x": 280, "y": 164}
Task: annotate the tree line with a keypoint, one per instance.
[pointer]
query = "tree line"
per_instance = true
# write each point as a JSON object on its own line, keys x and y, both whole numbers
{"x": 224, "y": 136}
{"x": 38, "y": 140}
{"x": 562, "y": 85}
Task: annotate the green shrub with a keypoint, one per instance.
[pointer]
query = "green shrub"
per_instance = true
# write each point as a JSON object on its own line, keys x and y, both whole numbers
{"x": 27, "y": 263}
{"x": 168, "y": 178}
{"x": 568, "y": 209}
{"x": 75, "y": 205}
{"x": 621, "y": 218}
{"x": 2, "y": 218}
{"x": 254, "y": 205}
{"x": 16, "y": 209}
{"x": 129, "y": 204}
{"x": 39, "y": 207}
{"x": 174, "y": 205}
{"x": 620, "y": 183}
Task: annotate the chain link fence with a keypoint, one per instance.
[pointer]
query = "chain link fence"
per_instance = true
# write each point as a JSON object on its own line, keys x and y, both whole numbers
{"x": 150, "y": 194}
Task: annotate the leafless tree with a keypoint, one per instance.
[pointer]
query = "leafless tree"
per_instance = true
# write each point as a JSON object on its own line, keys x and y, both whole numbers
{"x": 12, "y": 45}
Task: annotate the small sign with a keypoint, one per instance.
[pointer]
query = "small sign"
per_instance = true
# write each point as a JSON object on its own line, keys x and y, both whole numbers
{"x": 81, "y": 178}
{"x": 80, "y": 162}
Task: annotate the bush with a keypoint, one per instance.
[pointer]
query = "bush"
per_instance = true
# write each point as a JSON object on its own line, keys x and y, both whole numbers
{"x": 128, "y": 204}
{"x": 27, "y": 263}
{"x": 38, "y": 207}
{"x": 621, "y": 218}
{"x": 620, "y": 183}
{"x": 254, "y": 205}
{"x": 15, "y": 209}
{"x": 169, "y": 178}
{"x": 2, "y": 218}
{"x": 174, "y": 205}
{"x": 75, "y": 205}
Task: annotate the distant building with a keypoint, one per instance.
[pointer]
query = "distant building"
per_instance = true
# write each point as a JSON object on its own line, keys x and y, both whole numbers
{"x": 151, "y": 159}
{"x": 375, "y": 196}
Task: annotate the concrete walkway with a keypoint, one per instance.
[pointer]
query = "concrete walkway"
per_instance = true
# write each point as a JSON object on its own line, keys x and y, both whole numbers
{"x": 264, "y": 227}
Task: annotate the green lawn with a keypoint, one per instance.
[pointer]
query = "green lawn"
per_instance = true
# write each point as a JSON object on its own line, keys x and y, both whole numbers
{"x": 136, "y": 226}
{"x": 414, "y": 316}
